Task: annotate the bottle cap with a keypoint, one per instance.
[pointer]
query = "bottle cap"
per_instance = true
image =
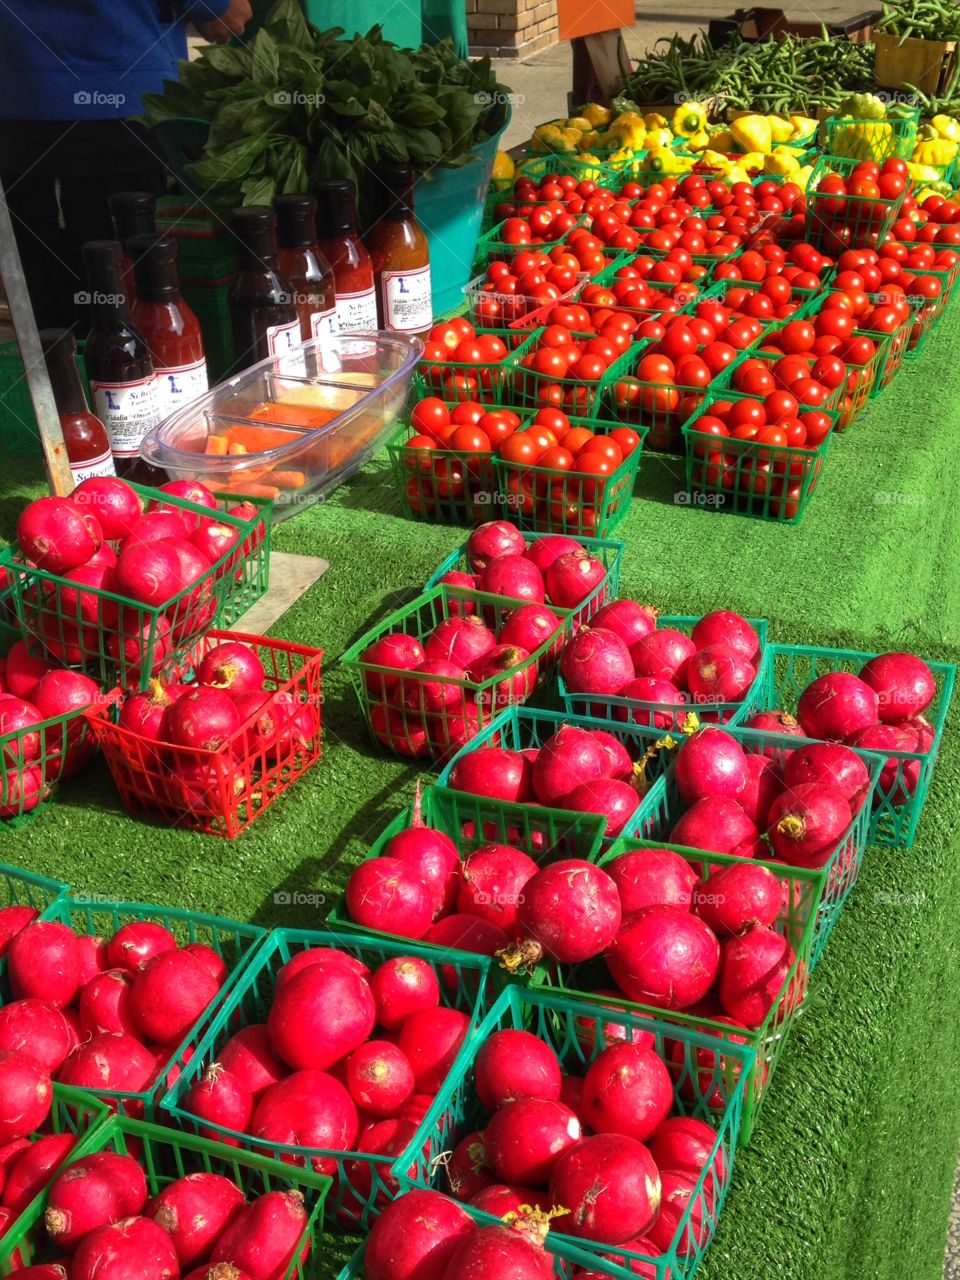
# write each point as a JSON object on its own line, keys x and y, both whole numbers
{"x": 336, "y": 208}
{"x": 255, "y": 226}
{"x": 102, "y": 266}
{"x": 155, "y": 267}
{"x": 133, "y": 213}
{"x": 296, "y": 221}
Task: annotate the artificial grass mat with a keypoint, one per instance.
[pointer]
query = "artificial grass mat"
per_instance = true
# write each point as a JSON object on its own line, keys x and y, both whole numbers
{"x": 849, "y": 1172}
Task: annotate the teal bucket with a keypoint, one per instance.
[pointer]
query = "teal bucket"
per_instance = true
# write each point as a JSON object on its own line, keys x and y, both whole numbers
{"x": 449, "y": 205}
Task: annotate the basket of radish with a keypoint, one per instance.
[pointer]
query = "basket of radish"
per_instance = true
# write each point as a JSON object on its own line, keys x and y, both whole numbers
{"x": 218, "y": 743}
{"x": 535, "y": 568}
{"x": 329, "y": 1052}
{"x": 889, "y": 708}
{"x": 606, "y": 1117}
{"x": 437, "y": 671}
{"x": 634, "y": 666}
{"x": 110, "y": 996}
{"x": 24, "y": 897}
{"x": 121, "y": 580}
{"x": 138, "y": 1200}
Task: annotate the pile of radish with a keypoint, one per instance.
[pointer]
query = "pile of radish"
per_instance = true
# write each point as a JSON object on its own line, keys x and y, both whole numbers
{"x": 33, "y": 692}
{"x": 662, "y": 671}
{"x": 97, "y": 1013}
{"x": 200, "y": 1226}
{"x": 348, "y": 1061}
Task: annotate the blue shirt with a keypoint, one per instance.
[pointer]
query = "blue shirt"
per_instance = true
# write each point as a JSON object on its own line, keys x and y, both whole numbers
{"x": 91, "y": 59}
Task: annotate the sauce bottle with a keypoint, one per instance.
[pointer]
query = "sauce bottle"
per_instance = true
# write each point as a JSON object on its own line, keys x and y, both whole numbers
{"x": 340, "y": 244}
{"x": 263, "y": 316}
{"x": 134, "y": 213}
{"x": 168, "y": 325}
{"x": 401, "y": 256}
{"x": 126, "y": 394}
{"x": 85, "y": 436}
{"x": 304, "y": 267}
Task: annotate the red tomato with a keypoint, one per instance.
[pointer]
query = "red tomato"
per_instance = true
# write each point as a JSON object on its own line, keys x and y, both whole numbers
{"x": 797, "y": 336}
{"x": 430, "y": 416}
{"x": 627, "y": 440}
{"x": 520, "y": 448}
{"x": 746, "y": 413}
{"x": 780, "y": 404}
{"x": 467, "y": 414}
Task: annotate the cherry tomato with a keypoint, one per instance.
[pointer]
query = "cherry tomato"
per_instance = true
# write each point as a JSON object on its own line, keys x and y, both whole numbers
{"x": 467, "y": 414}
{"x": 430, "y": 416}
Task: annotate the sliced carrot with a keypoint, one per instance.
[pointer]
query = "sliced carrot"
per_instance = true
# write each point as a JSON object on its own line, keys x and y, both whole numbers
{"x": 237, "y": 448}
{"x": 242, "y": 485}
{"x": 260, "y": 439}
{"x": 217, "y": 444}
{"x": 288, "y": 479}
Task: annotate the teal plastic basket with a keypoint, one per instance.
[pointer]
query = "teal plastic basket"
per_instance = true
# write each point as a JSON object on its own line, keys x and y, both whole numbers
{"x": 19, "y": 888}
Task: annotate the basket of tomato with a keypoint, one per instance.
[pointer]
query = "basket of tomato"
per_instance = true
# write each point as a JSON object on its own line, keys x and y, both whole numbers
{"x": 853, "y": 204}
{"x": 461, "y": 363}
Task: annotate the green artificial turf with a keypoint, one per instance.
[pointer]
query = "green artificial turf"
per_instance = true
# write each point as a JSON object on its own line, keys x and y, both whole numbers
{"x": 849, "y": 1172}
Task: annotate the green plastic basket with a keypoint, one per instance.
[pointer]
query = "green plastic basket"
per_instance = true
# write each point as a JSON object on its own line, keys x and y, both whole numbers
{"x": 491, "y": 247}
{"x": 20, "y": 888}
{"x": 488, "y": 383}
{"x": 576, "y": 1031}
{"x": 533, "y": 390}
{"x": 837, "y": 222}
{"x": 446, "y": 485}
{"x": 857, "y": 139}
{"x": 165, "y": 1156}
{"x": 129, "y": 642}
{"x": 362, "y": 1182}
{"x": 536, "y": 166}
{"x": 786, "y": 672}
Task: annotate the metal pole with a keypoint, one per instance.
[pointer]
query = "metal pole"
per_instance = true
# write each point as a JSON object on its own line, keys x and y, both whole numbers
{"x": 41, "y": 393}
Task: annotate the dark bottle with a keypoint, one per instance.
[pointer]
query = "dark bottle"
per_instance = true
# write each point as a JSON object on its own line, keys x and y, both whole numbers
{"x": 340, "y": 243}
{"x": 168, "y": 325}
{"x": 401, "y": 255}
{"x": 123, "y": 384}
{"x": 85, "y": 436}
{"x": 263, "y": 316}
{"x": 304, "y": 267}
{"x": 134, "y": 213}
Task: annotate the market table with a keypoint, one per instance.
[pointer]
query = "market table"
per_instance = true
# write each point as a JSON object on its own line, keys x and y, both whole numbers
{"x": 849, "y": 1173}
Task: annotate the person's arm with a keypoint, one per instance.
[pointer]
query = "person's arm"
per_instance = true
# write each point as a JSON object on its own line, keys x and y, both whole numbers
{"x": 220, "y": 20}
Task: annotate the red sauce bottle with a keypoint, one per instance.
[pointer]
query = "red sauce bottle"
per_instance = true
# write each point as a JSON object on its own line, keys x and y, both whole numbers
{"x": 85, "y": 436}
{"x": 304, "y": 267}
{"x": 340, "y": 243}
{"x": 123, "y": 384}
{"x": 169, "y": 326}
{"x": 263, "y": 316}
{"x": 134, "y": 213}
{"x": 401, "y": 256}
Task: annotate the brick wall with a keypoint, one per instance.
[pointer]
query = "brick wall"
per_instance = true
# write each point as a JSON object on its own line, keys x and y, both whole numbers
{"x": 511, "y": 28}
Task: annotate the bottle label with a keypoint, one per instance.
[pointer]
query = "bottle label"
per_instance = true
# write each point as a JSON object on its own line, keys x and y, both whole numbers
{"x": 181, "y": 383}
{"x": 357, "y": 310}
{"x": 102, "y": 466}
{"x": 282, "y": 338}
{"x": 323, "y": 324}
{"x": 407, "y": 300}
{"x": 128, "y": 410}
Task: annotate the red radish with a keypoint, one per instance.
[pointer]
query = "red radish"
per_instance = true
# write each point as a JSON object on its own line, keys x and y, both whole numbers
{"x": 899, "y": 776}
{"x": 836, "y": 705}
{"x": 652, "y": 877}
{"x": 433, "y": 695}
{"x": 190, "y": 491}
{"x": 807, "y": 823}
{"x": 105, "y": 1004}
{"x": 195, "y": 1211}
{"x": 41, "y": 1271}
{"x": 493, "y": 772}
{"x": 308, "y": 1109}
{"x": 156, "y": 526}
{"x": 754, "y": 968}
{"x": 93, "y": 957}
{"x": 223, "y": 1099}
{"x": 23, "y": 671}
{"x": 596, "y": 661}
{"x": 663, "y": 655}
{"x": 464, "y": 933}
{"x": 716, "y": 824}
{"x": 10, "y": 1153}
{"x": 148, "y": 573}
{"x": 507, "y": 1251}
{"x": 264, "y": 1238}
{"x": 492, "y": 884}
{"x": 433, "y": 856}
{"x": 116, "y": 506}
{"x": 249, "y": 1058}
{"x": 499, "y": 1200}
{"x": 38, "y": 1031}
{"x": 214, "y": 963}
{"x": 386, "y": 1139}
{"x": 220, "y": 1270}
{"x": 571, "y": 756}
{"x": 514, "y": 1064}
{"x": 544, "y": 550}
{"x": 775, "y": 722}
{"x": 620, "y": 764}
{"x": 415, "y": 1236}
{"x": 399, "y": 652}
{"x": 19, "y": 717}
{"x": 718, "y": 674}
{"x": 493, "y": 541}
{"x": 572, "y": 577}
{"x": 43, "y": 962}
{"x": 201, "y": 717}
{"x": 379, "y": 1077}
{"x": 430, "y": 1039}
{"x": 630, "y": 621}
{"x": 729, "y": 629}
{"x": 513, "y": 577}
{"x": 33, "y": 1168}
{"x": 231, "y": 665}
{"x": 627, "y": 1090}
{"x": 570, "y": 912}
{"x": 88, "y": 606}
{"x": 499, "y": 663}
{"x": 214, "y": 539}
{"x": 302, "y": 1031}
{"x": 385, "y": 893}
{"x": 21, "y": 791}
{"x": 571, "y": 1095}
{"x": 611, "y": 1032}
{"x": 710, "y": 763}
{"x": 134, "y": 945}
{"x": 462, "y": 581}
{"x": 829, "y": 764}
{"x": 110, "y": 1061}
{"x": 664, "y": 956}
{"x": 194, "y": 568}
{"x": 138, "y": 642}
{"x": 401, "y": 986}
{"x": 529, "y": 627}
{"x": 143, "y": 713}
{"x": 170, "y": 994}
{"x": 461, "y": 641}
{"x": 611, "y": 1186}
{"x": 56, "y": 536}
{"x": 450, "y": 731}
{"x": 93, "y": 1192}
{"x": 524, "y": 1139}
{"x": 764, "y": 784}
{"x": 677, "y": 1192}
{"x": 133, "y": 1249}
{"x": 736, "y": 896}
{"x": 616, "y": 801}
{"x": 903, "y": 683}
{"x": 685, "y": 1144}
{"x": 467, "y": 1170}
{"x": 60, "y": 693}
